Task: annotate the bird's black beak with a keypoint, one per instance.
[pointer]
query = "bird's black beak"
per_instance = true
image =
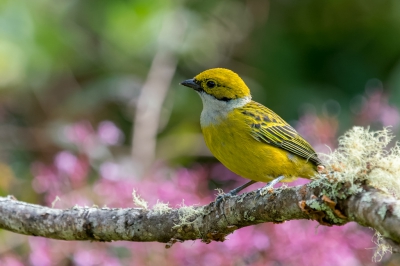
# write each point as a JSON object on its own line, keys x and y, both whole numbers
{"x": 191, "y": 84}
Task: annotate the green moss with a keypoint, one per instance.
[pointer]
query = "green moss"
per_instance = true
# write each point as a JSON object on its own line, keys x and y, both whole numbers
{"x": 334, "y": 190}
{"x": 317, "y": 205}
{"x": 314, "y": 204}
{"x": 247, "y": 217}
{"x": 315, "y": 183}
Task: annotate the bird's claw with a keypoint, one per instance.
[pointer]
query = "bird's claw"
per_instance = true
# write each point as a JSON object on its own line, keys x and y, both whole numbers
{"x": 269, "y": 188}
{"x": 265, "y": 190}
{"x": 222, "y": 196}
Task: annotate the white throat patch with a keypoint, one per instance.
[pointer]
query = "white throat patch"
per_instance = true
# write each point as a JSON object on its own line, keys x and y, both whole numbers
{"x": 214, "y": 109}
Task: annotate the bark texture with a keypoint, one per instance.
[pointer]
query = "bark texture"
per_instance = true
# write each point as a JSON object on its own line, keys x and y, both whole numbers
{"x": 369, "y": 207}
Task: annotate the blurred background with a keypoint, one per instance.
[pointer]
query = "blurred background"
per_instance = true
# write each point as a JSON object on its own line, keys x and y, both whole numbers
{"x": 90, "y": 109}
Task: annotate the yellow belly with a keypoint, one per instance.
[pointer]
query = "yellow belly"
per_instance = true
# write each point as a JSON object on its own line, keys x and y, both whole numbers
{"x": 231, "y": 143}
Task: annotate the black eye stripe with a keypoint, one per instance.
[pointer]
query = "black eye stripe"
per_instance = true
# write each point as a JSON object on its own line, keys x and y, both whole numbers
{"x": 225, "y": 99}
{"x": 211, "y": 84}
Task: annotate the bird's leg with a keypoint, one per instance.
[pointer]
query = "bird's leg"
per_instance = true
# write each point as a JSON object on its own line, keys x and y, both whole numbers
{"x": 270, "y": 185}
{"x": 233, "y": 192}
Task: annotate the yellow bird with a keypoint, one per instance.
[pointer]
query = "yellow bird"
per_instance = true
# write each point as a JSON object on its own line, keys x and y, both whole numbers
{"x": 247, "y": 137}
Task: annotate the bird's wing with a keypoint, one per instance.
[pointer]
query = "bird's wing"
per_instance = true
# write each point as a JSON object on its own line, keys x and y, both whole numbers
{"x": 266, "y": 126}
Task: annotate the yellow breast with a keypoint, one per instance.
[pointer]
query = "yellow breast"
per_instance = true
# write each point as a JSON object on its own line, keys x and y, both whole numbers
{"x": 231, "y": 142}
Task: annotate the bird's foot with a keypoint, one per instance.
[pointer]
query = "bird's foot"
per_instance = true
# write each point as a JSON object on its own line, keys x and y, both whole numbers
{"x": 321, "y": 169}
{"x": 265, "y": 190}
{"x": 270, "y": 186}
{"x": 221, "y": 196}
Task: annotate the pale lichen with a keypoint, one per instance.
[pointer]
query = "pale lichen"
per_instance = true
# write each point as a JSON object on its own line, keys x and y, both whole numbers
{"x": 138, "y": 201}
{"x": 187, "y": 215}
{"x": 161, "y": 208}
{"x": 366, "y": 199}
{"x": 53, "y": 203}
{"x": 363, "y": 156}
{"x": 382, "y": 212}
{"x": 381, "y": 247}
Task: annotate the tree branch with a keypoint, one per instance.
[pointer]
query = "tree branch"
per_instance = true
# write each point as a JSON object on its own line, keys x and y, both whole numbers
{"x": 369, "y": 207}
{"x": 155, "y": 89}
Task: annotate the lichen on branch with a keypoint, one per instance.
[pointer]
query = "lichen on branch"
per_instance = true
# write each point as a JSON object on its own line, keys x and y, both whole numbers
{"x": 364, "y": 155}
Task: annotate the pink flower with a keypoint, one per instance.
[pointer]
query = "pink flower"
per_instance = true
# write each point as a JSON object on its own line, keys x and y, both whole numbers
{"x": 10, "y": 260}
{"x": 44, "y": 179}
{"x": 110, "y": 170}
{"x": 109, "y": 134}
{"x": 390, "y": 116}
{"x": 376, "y": 108}
{"x": 75, "y": 168}
{"x": 79, "y": 133}
{"x": 40, "y": 252}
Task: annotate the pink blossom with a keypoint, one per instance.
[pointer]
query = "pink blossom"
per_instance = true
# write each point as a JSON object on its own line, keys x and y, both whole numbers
{"x": 319, "y": 131}
{"x": 109, "y": 134}
{"x": 89, "y": 257}
{"x": 44, "y": 177}
{"x": 376, "y": 108}
{"x": 110, "y": 170}
{"x": 65, "y": 162}
{"x": 40, "y": 252}
{"x": 79, "y": 133}
{"x": 390, "y": 116}
{"x": 10, "y": 260}
{"x": 76, "y": 169}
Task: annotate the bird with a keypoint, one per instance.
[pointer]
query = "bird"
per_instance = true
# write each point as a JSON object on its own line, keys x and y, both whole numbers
{"x": 247, "y": 137}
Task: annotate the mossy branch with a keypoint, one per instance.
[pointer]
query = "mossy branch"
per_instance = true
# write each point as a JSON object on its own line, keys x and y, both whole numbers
{"x": 368, "y": 207}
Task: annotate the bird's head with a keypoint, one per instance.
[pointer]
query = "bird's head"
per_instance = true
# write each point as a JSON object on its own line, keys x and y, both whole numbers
{"x": 220, "y": 83}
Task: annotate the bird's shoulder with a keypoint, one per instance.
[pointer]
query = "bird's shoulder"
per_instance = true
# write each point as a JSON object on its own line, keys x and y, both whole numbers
{"x": 261, "y": 114}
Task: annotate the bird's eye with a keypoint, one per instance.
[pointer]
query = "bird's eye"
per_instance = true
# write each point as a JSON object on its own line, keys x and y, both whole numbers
{"x": 211, "y": 84}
